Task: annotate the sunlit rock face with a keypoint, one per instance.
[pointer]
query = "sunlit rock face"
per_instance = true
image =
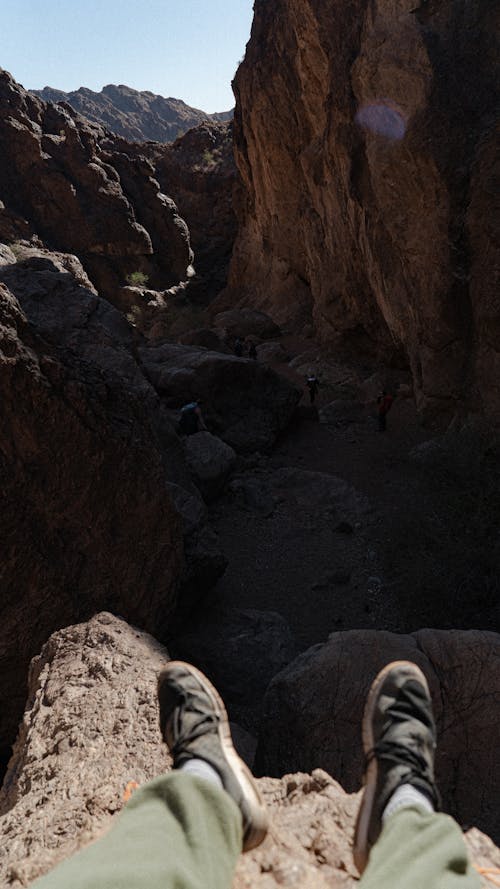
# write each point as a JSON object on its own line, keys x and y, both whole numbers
{"x": 364, "y": 137}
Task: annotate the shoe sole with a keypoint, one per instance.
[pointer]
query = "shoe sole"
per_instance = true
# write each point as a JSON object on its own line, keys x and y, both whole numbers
{"x": 361, "y": 847}
{"x": 257, "y": 811}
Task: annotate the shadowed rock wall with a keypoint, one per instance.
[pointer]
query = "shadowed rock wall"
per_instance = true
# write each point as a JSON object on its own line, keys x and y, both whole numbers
{"x": 381, "y": 229}
{"x": 313, "y": 711}
{"x": 87, "y": 519}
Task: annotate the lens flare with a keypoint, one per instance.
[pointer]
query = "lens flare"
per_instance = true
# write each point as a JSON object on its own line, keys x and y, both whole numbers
{"x": 384, "y": 118}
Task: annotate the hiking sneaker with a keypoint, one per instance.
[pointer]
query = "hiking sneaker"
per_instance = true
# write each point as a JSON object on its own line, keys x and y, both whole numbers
{"x": 194, "y": 723}
{"x": 399, "y": 740}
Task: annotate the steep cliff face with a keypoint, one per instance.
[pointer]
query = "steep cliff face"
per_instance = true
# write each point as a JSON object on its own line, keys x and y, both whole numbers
{"x": 364, "y": 137}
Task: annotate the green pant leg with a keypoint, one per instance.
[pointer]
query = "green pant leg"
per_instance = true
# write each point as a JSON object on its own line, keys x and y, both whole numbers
{"x": 177, "y": 832}
{"x": 419, "y": 850}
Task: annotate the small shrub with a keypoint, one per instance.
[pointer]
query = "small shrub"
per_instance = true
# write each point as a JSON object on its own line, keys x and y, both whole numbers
{"x": 16, "y": 249}
{"x": 137, "y": 279}
{"x": 208, "y": 157}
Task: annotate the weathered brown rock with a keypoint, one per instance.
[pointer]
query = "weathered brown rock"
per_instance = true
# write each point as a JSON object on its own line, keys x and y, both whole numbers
{"x": 199, "y": 171}
{"x": 246, "y": 323}
{"x": 92, "y": 691}
{"x": 204, "y": 337}
{"x": 84, "y": 192}
{"x": 210, "y": 462}
{"x": 381, "y": 227}
{"x": 87, "y": 521}
{"x": 313, "y": 711}
{"x": 137, "y": 115}
{"x": 244, "y": 403}
{"x": 90, "y": 727}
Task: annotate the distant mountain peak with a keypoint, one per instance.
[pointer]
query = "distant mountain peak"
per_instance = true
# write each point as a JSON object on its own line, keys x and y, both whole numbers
{"x": 137, "y": 115}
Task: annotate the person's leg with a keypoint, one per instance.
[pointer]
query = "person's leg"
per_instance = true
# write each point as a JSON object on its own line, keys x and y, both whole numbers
{"x": 400, "y": 839}
{"x": 184, "y": 830}
{"x": 177, "y": 831}
{"x": 419, "y": 850}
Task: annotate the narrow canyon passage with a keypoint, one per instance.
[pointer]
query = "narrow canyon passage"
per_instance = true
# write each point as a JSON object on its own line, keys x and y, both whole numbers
{"x": 340, "y": 527}
{"x": 314, "y": 559}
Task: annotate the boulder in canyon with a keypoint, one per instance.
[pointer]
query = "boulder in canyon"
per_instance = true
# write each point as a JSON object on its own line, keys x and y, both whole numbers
{"x": 210, "y": 461}
{"x": 243, "y": 402}
{"x": 313, "y": 711}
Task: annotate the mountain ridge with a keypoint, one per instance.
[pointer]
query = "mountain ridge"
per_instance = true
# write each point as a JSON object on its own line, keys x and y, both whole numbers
{"x": 137, "y": 115}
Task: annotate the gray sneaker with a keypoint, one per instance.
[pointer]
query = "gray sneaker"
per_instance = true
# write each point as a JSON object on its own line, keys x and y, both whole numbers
{"x": 399, "y": 740}
{"x": 195, "y": 725}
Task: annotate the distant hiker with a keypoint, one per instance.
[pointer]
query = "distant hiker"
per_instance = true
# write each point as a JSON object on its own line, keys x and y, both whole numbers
{"x": 312, "y": 384}
{"x": 191, "y": 420}
{"x": 187, "y": 827}
{"x": 252, "y": 351}
{"x": 238, "y": 347}
{"x": 384, "y": 402}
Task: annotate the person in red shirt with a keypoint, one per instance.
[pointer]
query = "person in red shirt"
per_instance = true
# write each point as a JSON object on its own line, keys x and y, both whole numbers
{"x": 384, "y": 402}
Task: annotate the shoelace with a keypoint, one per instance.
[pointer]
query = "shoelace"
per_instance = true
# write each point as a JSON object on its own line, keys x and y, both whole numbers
{"x": 205, "y": 723}
{"x": 398, "y": 753}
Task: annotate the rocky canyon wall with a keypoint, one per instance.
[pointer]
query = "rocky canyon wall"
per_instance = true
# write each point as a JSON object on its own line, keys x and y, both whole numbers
{"x": 123, "y": 207}
{"x": 365, "y": 137}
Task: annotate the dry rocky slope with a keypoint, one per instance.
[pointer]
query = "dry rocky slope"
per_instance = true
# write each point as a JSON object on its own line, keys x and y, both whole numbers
{"x": 380, "y": 230}
{"x": 134, "y": 114}
{"x": 93, "y": 689}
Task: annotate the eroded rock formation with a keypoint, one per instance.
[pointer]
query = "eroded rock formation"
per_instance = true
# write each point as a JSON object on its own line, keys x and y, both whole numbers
{"x": 199, "y": 172}
{"x": 365, "y": 140}
{"x": 86, "y": 453}
{"x": 68, "y": 182}
{"x": 119, "y": 205}
{"x": 137, "y": 115}
{"x": 92, "y": 690}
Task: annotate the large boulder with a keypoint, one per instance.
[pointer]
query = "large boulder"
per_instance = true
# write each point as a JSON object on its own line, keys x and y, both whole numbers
{"x": 246, "y": 323}
{"x": 91, "y": 727}
{"x": 256, "y": 645}
{"x": 313, "y": 711}
{"x": 86, "y": 453}
{"x": 210, "y": 461}
{"x": 204, "y": 337}
{"x": 244, "y": 403}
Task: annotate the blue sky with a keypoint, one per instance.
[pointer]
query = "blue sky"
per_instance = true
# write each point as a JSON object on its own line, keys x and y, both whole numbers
{"x": 188, "y": 49}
